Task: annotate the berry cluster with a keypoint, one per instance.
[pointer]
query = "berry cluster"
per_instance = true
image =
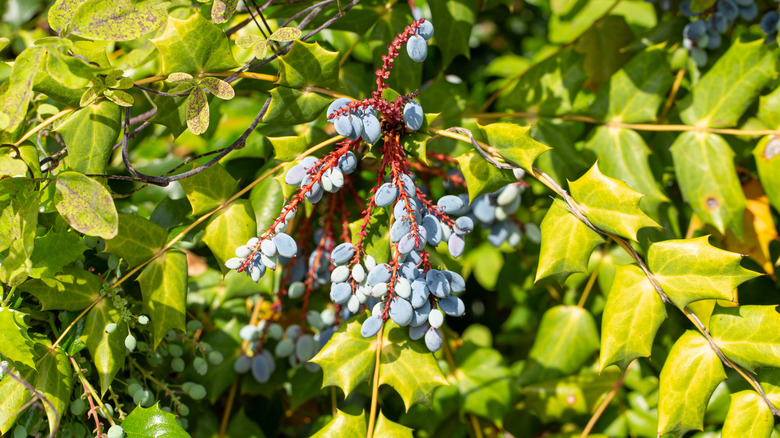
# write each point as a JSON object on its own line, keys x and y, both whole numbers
{"x": 705, "y": 32}
{"x": 770, "y": 24}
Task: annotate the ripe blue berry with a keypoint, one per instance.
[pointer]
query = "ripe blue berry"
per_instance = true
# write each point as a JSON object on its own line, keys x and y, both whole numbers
{"x": 371, "y": 326}
{"x": 417, "y": 48}
{"x": 425, "y": 30}
{"x": 413, "y": 115}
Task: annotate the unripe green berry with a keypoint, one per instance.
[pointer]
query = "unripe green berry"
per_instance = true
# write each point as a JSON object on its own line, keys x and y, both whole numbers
{"x": 130, "y": 342}
{"x": 133, "y": 388}
{"x": 110, "y": 327}
{"x": 197, "y": 391}
{"x": 140, "y": 396}
{"x": 170, "y": 336}
{"x": 113, "y": 261}
{"x": 200, "y": 365}
{"x": 78, "y": 407}
{"x": 116, "y": 431}
{"x": 143, "y": 320}
{"x": 186, "y": 386}
{"x": 194, "y": 325}
{"x": 177, "y": 364}
{"x": 216, "y": 358}
{"x": 184, "y": 410}
{"x": 20, "y": 432}
{"x": 109, "y": 409}
{"x": 175, "y": 350}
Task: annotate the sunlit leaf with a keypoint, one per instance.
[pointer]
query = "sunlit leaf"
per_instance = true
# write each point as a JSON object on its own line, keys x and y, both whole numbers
{"x": 15, "y": 343}
{"x": 514, "y": 143}
{"x": 14, "y": 396}
{"x": 229, "y": 228}
{"x": 152, "y": 422}
{"x": 198, "y": 111}
{"x": 308, "y": 64}
{"x": 481, "y": 176}
{"x": 388, "y": 429}
{"x": 164, "y": 291}
{"x": 748, "y": 416}
{"x": 137, "y": 240}
{"x": 117, "y": 20}
{"x": 15, "y": 96}
{"x": 73, "y": 289}
{"x": 222, "y": 10}
{"x": 90, "y": 133}
{"x": 193, "y": 46}
{"x": 209, "y": 189}
{"x": 748, "y": 335}
{"x": 285, "y": 34}
{"x": 86, "y": 205}
{"x": 344, "y": 424}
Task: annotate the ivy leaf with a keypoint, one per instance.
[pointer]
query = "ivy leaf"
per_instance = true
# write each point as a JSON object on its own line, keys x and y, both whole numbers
{"x": 107, "y": 349}
{"x": 15, "y": 343}
{"x": 193, "y": 46}
{"x": 197, "y": 111}
{"x": 704, "y": 166}
{"x": 285, "y": 34}
{"x": 388, "y": 429}
{"x": 137, "y": 240}
{"x": 18, "y": 91}
{"x": 348, "y": 358}
{"x": 721, "y": 97}
{"x": 152, "y": 422}
{"x": 53, "y": 251}
{"x": 377, "y": 240}
{"x": 485, "y": 383}
{"x": 453, "y": 21}
{"x": 631, "y": 319}
{"x": 248, "y": 40}
{"x": 291, "y": 106}
{"x": 566, "y": 338}
{"x": 344, "y": 424}
{"x": 767, "y": 156}
{"x": 566, "y": 244}
{"x": 689, "y": 376}
{"x": 55, "y": 383}
{"x": 209, "y": 189}
{"x": 229, "y": 228}
{"x": 514, "y": 142}
{"x": 602, "y": 43}
{"x": 308, "y": 64}
{"x": 481, "y": 176}
{"x": 117, "y": 20}
{"x": 748, "y": 335}
{"x": 748, "y": 416}
{"x": 14, "y": 396}
{"x": 86, "y": 205}
{"x": 74, "y": 289}
{"x": 691, "y": 269}
{"x": 164, "y": 292}
{"x": 568, "y": 397}
{"x": 218, "y": 87}
{"x": 222, "y": 10}
{"x": 610, "y": 204}
{"x": 90, "y": 133}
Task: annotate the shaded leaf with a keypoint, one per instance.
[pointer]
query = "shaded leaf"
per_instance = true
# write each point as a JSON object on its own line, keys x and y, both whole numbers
{"x": 767, "y": 156}
{"x": 152, "y": 422}
{"x": 377, "y": 240}
{"x": 292, "y": 106}
{"x": 15, "y": 343}
{"x": 74, "y": 289}
{"x": 247, "y": 40}
{"x": 164, "y": 291}
{"x": 19, "y": 201}
{"x": 485, "y": 383}
{"x": 567, "y": 397}
{"x": 342, "y": 425}
{"x": 308, "y": 64}
{"x": 197, "y": 111}
{"x": 748, "y": 335}
{"x": 193, "y": 46}
{"x": 514, "y": 143}
{"x": 453, "y": 21}
{"x": 229, "y": 228}
{"x": 55, "y": 383}
{"x": 208, "y": 189}
{"x": 117, "y": 20}
{"x": 481, "y": 176}
{"x": 137, "y": 240}
{"x": 14, "y": 396}
{"x": 107, "y": 349}
{"x": 86, "y": 205}
{"x": 90, "y": 133}
{"x": 602, "y": 44}
{"x": 267, "y": 201}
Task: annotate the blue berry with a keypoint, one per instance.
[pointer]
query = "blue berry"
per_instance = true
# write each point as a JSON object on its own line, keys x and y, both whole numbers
{"x": 452, "y": 306}
{"x": 433, "y": 340}
{"x": 285, "y": 245}
{"x": 417, "y": 332}
{"x": 463, "y": 225}
{"x": 372, "y": 130}
{"x": 348, "y": 162}
{"x": 385, "y": 195}
{"x": 260, "y": 370}
{"x": 401, "y": 311}
{"x": 413, "y": 115}
{"x": 380, "y": 274}
{"x": 419, "y": 293}
{"x": 457, "y": 283}
{"x": 340, "y": 292}
{"x": 417, "y": 48}
{"x": 420, "y": 315}
{"x": 450, "y": 204}
{"x": 425, "y": 30}
{"x": 769, "y": 22}
{"x": 342, "y": 253}
{"x": 295, "y": 175}
{"x": 371, "y": 326}
{"x": 456, "y": 245}
{"x": 337, "y": 105}
{"x": 432, "y": 230}
{"x": 344, "y": 126}
{"x": 437, "y": 283}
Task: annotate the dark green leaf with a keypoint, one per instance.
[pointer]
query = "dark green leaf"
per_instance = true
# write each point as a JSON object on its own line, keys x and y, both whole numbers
{"x": 107, "y": 349}
{"x": 193, "y": 46}
{"x": 86, "y": 205}
{"x": 416, "y": 143}
{"x": 267, "y": 201}
{"x": 568, "y": 397}
{"x": 452, "y": 21}
{"x": 209, "y": 189}
{"x": 74, "y": 289}
{"x": 377, "y": 240}
{"x": 601, "y": 45}
{"x": 90, "y": 133}
{"x": 308, "y": 64}
{"x": 55, "y": 383}
{"x": 164, "y": 291}
{"x": 230, "y": 228}
{"x": 137, "y": 240}
{"x": 485, "y": 383}
{"x": 152, "y": 422}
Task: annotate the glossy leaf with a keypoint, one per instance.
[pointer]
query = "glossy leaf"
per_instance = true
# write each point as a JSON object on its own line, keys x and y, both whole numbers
{"x": 164, "y": 292}
{"x": 308, "y": 64}
{"x": 481, "y": 176}
{"x": 514, "y": 143}
{"x": 15, "y": 343}
{"x": 567, "y": 397}
{"x": 453, "y": 21}
{"x": 632, "y": 316}
{"x": 344, "y": 424}
{"x": 229, "y": 228}
{"x": 566, "y": 244}
{"x": 759, "y": 228}
{"x": 152, "y": 422}
{"x": 118, "y": 20}
{"x": 222, "y": 10}
{"x": 55, "y": 383}
{"x": 691, "y": 269}
{"x": 767, "y": 156}
{"x": 267, "y": 201}
{"x": 86, "y": 205}
{"x": 14, "y": 396}
{"x": 747, "y": 335}
{"x": 348, "y": 358}
{"x": 416, "y": 143}
{"x": 688, "y": 378}
{"x": 748, "y": 416}
{"x": 388, "y": 429}
{"x": 90, "y": 133}
{"x": 74, "y": 289}
{"x": 377, "y": 240}
{"x": 485, "y": 383}
{"x": 288, "y": 148}
{"x": 704, "y": 166}
{"x": 193, "y": 46}
{"x": 197, "y": 111}
{"x": 209, "y": 189}
{"x": 107, "y": 349}
{"x": 610, "y": 204}
{"x": 53, "y": 251}
{"x": 291, "y": 106}
{"x": 137, "y": 240}
{"x": 15, "y": 96}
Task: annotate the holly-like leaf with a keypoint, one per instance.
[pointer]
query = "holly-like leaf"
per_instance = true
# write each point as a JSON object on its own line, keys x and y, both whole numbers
{"x": 704, "y": 166}
{"x": 288, "y": 148}
{"x": 218, "y": 87}
{"x": 15, "y": 343}
{"x": 193, "y": 46}
{"x": 481, "y": 176}
{"x": 721, "y": 97}
{"x": 759, "y": 228}
{"x": 748, "y": 416}
{"x": 514, "y": 143}
{"x": 348, "y": 358}
{"x": 74, "y": 289}
{"x": 602, "y": 44}
{"x": 485, "y": 383}
{"x": 377, "y": 240}
{"x": 308, "y": 64}
{"x": 197, "y": 111}
{"x": 568, "y": 397}
{"x": 453, "y": 21}
{"x": 230, "y": 228}
{"x": 748, "y": 335}
{"x": 117, "y": 20}
{"x": 285, "y": 34}
{"x": 610, "y": 204}
{"x": 14, "y": 396}
{"x": 164, "y": 292}
{"x": 566, "y": 338}
{"x": 632, "y": 316}
{"x": 55, "y": 383}
{"x": 15, "y": 96}
{"x": 86, "y": 205}
{"x": 290, "y": 106}
{"x": 416, "y": 143}
{"x": 107, "y": 349}
{"x": 344, "y": 424}
{"x": 388, "y": 429}
{"x": 152, "y": 422}
{"x": 209, "y": 189}
{"x": 137, "y": 240}
{"x": 222, "y": 10}
{"x": 691, "y": 269}
{"x": 689, "y": 376}
{"x": 90, "y": 133}
{"x": 767, "y": 156}
{"x": 566, "y": 244}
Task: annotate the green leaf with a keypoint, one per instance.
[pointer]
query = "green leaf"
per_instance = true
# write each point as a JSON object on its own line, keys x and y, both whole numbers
{"x": 107, "y": 349}
{"x": 260, "y": 49}
{"x": 689, "y": 376}
{"x": 230, "y": 228}
{"x": 285, "y": 34}
{"x": 514, "y": 143}
{"x": 19, "y": 201}
{"x": 769, "y": 109}
{"x": 308, "y": 64}
{"x": 119, "y": 97}
{"x": 90, "y": 133}
{"x": 152, "y": 422}
{"x": 485, "y": 383}
{"x": 248, "y": 40}
{"x": 243, "y": 426}
{"x": 610, "y": 204}
{"x": 698, "y": 6}
{"x": 288, "y": 148}
{"x": 218, "y": 87}
{"x": 568, "y": 397}
{"x": 416, "y": 143}
{"x": 622, "y": 154}
{"x": 74, "y": 289}
{"x": 292, "y": 106}
{"x": 704, "y": 166}
{"x": 691, "y": 269}
{"x": 11, "y": 164}
{"x": 208, "y": 189}
{"x": 15, "y": 343}
{"x": 164, "y": 291}
{"x": 566, "y": 244}
{"x": 481, "y": 176}
{"x": 721, "y": 97}
{"x": 222, "y": 10}
{"x": 16, "y": 92}
{"x": 197, "y": 111}
{"x": 767, "y": 156}
{"x": 267, "y": 201}
{"x": 86, "y": 205}
{"x": 137, "y": 240}
{"x": 61, "y": 13}
{"x": 14, "y": 396}
{"x": 602, "y": 44}
{"x": 342, "y": 425}
{"x": 387, "y": 429}
{"x": 566, "y": 338}
{"x": 193, "y": 46}
{"x": 117, "y": 20}
{"x": 453, "y": 21}
{"x": 748, "y": 416}
{"x": 70, "y": 71}
{"x": 565, "y": 27}
{"x": 55, "y": 383}
{"x": 377, "y": 240}
{"x": 631, "y": 319}
{"x": 748, "y": 335}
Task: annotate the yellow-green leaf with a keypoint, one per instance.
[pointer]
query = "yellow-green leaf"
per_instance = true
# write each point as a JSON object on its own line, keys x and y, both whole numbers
{"x": 229, "y": 228}
{"x": 209, "y": 189}
{"x": 90, "y": 133}
{"x": 14, "y": 396}
{"x": 86, "y": 205}
{"x": 285, "y": 34}
{"x": 164, "y": 292}
{"x": 767, "y": 156}
{"x": 481, "y": 176}
{"x": 222, "y": 10}
{"x": 15, "y": 343}
{"x": 748, "y": 416}
{"x": 569, "y": 397}
{"x": 137, "y": 240}
{"x": 16, "y": 95}
{"x": 348, "y": 358}
{"x": 748, "y": 335}
{"x": 218, "y": 87}
{"x": 107, "y": 349}
{"x": 344, "y": 425}
{"x": 290, "y": 106}
{"x": 388, "y": 429}
{"x": 74, "y": 289}
{"x": 514, "y": 143}
{"x": 197, "y": 111}
{"x": 55, "y": 383}
{"x": 308, "y": 64}
{"x": 193, "y": 46}
{"x": 118, "y": 20}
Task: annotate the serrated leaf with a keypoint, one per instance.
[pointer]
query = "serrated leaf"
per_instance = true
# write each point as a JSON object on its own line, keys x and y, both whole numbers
{"x": 691, "y": 269}
{"x": 152, "y": 422}
{"x": 453, "y": 21}
{"x": 748, "y": 416}
{"x": 222, "y": 10}
{"x": 117, "y": 20}
{"x": 15, "y": 343}
{"x": 416, "y": 143}
{"x": 14, "y": 396}
{"x": 759, "y": 228}
{"x": 208, "y": 189}
{"x": 348, "y": 358}
{"x": 514, "y": 142}
{"x": 485, "y": 383}
{"x": 689, "y": 376}
{"x": 193, "y": 46}
{"x": 61, "y": 12}
{"x": 377, "y": 240}
{"x": 74, "y": 289}
{"x": 285, "y": 34}
{"x": 568, "y": 397}
{"x": 748, "y": 335}
{"x": 90, "y": 133}
{"x": 566, "y": 244}
{"x": 602, "y": 44}
{"x": 19, "y": 201}
{"x": 218, "y": 87}
{"x": 767, "y": 156}
{"x": 721, "y": 97}
{"x": 197, "y": 111}
{"x": 55, "y": 383}
{"x": 388, "y": 429}
{"x": 86, "y": 205}
{"x": 229, "y": 228}
{"x": 481, "y": 176}
{"x": 308, "y": 64}
{"x": 631, "y": 319}
{"x": 288, "y": 148}
{"x": 16, "y": 95}
{"x": 344, "y": 424}
{"x": 137, "y": 240}
{"x": 704, "y": 166}
{"x": 566, "y": 338}
{"x": 107, "y": 349}
{"x": 164, "y": 292}
{"x": 291, "y": 106}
